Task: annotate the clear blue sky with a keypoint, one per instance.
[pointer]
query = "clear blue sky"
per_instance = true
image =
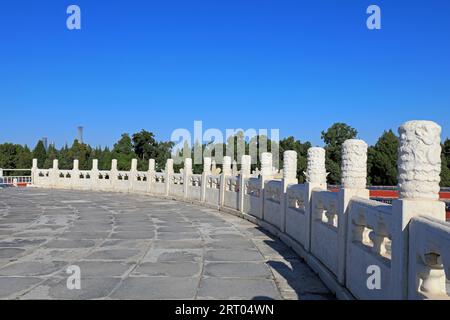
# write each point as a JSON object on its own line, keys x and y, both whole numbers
{"x": 294, "y": 65}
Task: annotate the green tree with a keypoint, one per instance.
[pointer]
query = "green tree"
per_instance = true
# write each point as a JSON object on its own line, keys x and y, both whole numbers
{"x": 40, "y": 154}
{"x": 123, "y": 152}
{"x": 382, "y": 160}
{"x": 144, "y": 144}
{"x": 52, "y": 154}
{"x": 104, "y": 163}
{"x": 24, "y": 158}
{"x": 334, "y": 137}
{"x": 65, "y": 157}
{"x": 445, "y": 168}
{"x": 81, "y": 152}
{"x": 164, "y": 152}
{"x": 8, "y": 156}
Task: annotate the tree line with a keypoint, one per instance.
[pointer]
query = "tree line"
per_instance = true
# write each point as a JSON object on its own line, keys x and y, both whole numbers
{"x": 381, "y": 165}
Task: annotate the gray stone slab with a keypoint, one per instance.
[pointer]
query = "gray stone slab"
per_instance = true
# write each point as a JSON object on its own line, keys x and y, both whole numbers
{"x": 179, "y": 256}
{"x": 246, "y": 270}
{"x": 114, "y": 254}
{"x": 7, "y": 253}
{"x": 70, "y": 244}
{"x": 136, "y": 247}
{"x": 237, "y": 289}
{"x": 91, "y": 288}
{"x": 85, "y": 235}
{"x": 177, "y": 244}
{"x": 133, "y": 235}
{"x": 20, "y": 243}
{"x": 230, "y": 244}
{"x": 156, "y": 288}
{"x": 178, "y": 236}
{"x": 102, "y": 269}
{"x": 233, "y": 255}
{"x": 31, "y": 268}
{"x": 168, "y": 269}
{"x": 10, "y": 287}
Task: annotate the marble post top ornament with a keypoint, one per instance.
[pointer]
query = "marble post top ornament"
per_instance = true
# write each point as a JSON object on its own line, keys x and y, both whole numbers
{"x": 95, "y": 164}
{"x": 290, "y": 165}
{"x": 169, "y": 166}
{"x": 134, "y": 164}
{"x": 246, "y": 165}
{"x": 188, "y": 166}
{"x": 114, "y": 165}
{"x": 76, "y": 164}
{"x": 266, "y": 164}
{"x": 207, "y": 165}
{"x": 315, "y": 171}
{"x": 234, "y": 169}
{"x": 354, "y": 164}
{"x": 419, "y": 161}
{"x": 226, "y": 166}
{"x": 151, "y": 165}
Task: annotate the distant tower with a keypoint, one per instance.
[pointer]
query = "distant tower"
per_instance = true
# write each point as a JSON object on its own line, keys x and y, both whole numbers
{"x": 45, "y": 142}
{"x": 80, "y": 134}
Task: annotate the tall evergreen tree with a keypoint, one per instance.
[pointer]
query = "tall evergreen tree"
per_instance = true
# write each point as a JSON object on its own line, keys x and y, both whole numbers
{"x": 382, "y": 160}
{"x": 40, "y": 154}
{"x": 445, "y": 168}
{"x": 52, "y": 153}
{"x": 123, "y": 152}
{"x": 334, "y": 137}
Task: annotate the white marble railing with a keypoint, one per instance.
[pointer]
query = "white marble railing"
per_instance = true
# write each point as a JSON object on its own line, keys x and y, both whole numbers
{"x": 369, "y": 244}
{"x": 325, "y": 236}
{"x": 360, "y": 248}
{"x": 429, "y": 250}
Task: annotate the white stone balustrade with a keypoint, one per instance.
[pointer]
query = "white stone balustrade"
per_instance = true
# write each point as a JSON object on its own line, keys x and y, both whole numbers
{"x": 339, "y": 234}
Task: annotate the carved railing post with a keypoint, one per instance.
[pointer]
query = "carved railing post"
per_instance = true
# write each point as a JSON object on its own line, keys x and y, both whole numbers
{"x": 133, "y": 175}
{"x": 246, "y": 167}
{"x": 316, "y": 173}
{"x": 187, "y": 172}
{"x": 206, "y": 172}
{"x": 55, "y": 173}
{"x": 316, "y": 178}
{"x": 289, "y": 177}
{"x": 226, "y": 172}
{"x": 114, "y": 174}
{"x": 34, "y": 171}
{"x": 419, "y": 168}
{"x": 234, "y": 169}
{"x": 267, "y": 173}
{"x": 354, "y": 184}
{"x": 169, "y": 172}
{"x": 151, "y": 175}
{"x": 94, "y": 175}
{"x": 75, "y": 177}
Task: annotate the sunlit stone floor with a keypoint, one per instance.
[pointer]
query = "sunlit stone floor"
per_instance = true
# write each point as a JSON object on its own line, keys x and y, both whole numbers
{"x": 138, "y": 247}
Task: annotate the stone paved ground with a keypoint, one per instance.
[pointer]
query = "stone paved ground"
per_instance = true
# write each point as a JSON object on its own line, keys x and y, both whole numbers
{"x": 138, "y": 247}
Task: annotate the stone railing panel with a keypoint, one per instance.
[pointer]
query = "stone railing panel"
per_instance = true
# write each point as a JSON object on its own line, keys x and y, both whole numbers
{"x": 429, "y": 259}
{"x": 253, "y": 197}
{"x": 212, "y": 192}
{"x": 231, "y": 192}
{"x": 194, "y": 189}
{"x": 324, "y": 228}
{"x": 273, "y": 206}
{"x": 297, "y": 214}
{"x": 369, "y": 249}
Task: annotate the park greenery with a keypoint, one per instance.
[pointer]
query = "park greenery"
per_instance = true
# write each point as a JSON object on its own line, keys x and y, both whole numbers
{"x": 382, "y": 157}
